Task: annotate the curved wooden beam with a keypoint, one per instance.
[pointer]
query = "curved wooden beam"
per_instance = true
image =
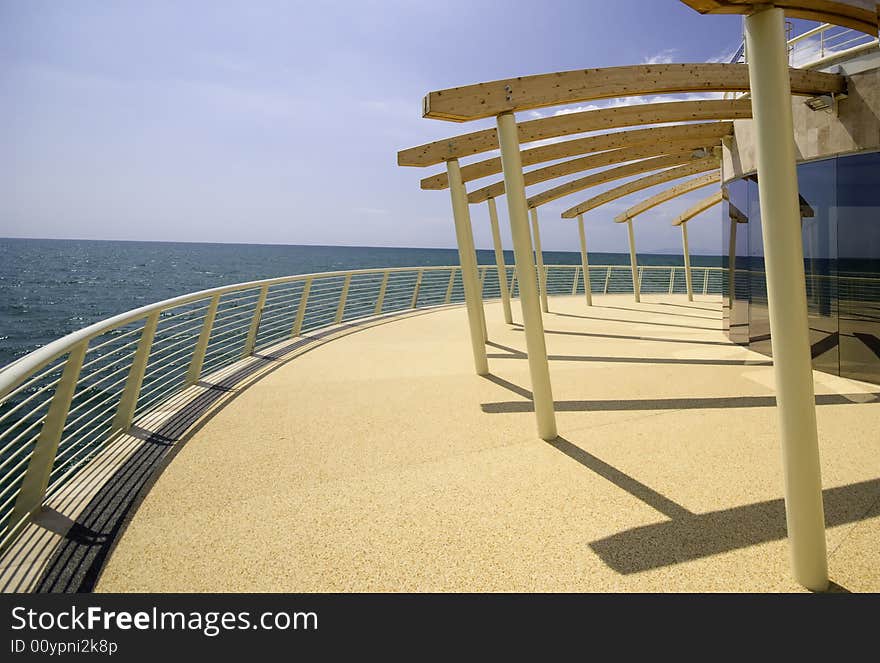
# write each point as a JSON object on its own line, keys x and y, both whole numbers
{"x": 615, "y": 140}
{"x": 568, "y": 124}
{"x": 856, "y": 14}
{"x": 701, "y": 206}
{"x": 683, "y": 149}
{"x": 660, "y": 198}
{"x": 472, "y": 102}
{"x": 694, "y": 168}
{"x": 611, "y": 174}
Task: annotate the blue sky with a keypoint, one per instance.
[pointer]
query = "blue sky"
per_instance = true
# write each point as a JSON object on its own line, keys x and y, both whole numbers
{"x": 279, "y": 122}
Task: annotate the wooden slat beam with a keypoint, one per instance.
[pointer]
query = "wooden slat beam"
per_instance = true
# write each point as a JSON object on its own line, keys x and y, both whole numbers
{"x": 677, "y": 148}
{"x": 659, "y": 198}
{"x": 708, "y": 131}
{"x": 694, "y": 168}
{"x": 856, "y": 14}
{"x": 612, "y": 174}
{"x": 603, "y": 119}
{"x": 698, "y": 208}
{"x": 472, "y": 102}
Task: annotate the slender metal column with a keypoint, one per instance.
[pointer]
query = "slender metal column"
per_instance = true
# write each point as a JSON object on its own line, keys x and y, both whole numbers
{"x": 255, "y": 322}
{"x": 499, "y": 260}
{"x": 585, "y": 260}
{"x": 39, "y": 470}
{"x": 194, "y": 371}
{"x": 468, "y": 258}
{"x": 539, "y": 259}
{"x": 128, "y": 400}
{"x": 687, "y": 261}
{"x": 632, "y": 260}
{"x": 304, "y": 302}
{"x": 786, "y": 294}
{"x": 536, "y": 348}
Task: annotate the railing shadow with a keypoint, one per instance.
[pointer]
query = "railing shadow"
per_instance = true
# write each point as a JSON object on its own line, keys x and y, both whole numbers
{"x": 75, "y": 565}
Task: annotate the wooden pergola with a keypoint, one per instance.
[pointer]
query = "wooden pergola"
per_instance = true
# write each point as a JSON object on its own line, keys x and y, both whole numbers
{"x": 684, "y": 148}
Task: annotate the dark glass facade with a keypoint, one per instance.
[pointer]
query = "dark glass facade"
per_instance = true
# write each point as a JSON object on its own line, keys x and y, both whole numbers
{"x": 840, "y": 222}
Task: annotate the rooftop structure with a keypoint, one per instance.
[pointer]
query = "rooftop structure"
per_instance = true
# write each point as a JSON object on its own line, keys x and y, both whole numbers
{"x": 426, "y": 478}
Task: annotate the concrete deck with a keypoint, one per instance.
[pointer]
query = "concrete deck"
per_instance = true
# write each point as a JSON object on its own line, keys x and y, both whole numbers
{"x": 380, "y": 462}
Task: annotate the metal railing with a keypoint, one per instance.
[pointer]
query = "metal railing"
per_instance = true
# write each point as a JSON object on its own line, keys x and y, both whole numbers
{"x": 825, "y": 42}
{"x": 63, "y": 403}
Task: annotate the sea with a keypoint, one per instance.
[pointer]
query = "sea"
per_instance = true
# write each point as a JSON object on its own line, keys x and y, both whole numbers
{"x": 50, "y": 288}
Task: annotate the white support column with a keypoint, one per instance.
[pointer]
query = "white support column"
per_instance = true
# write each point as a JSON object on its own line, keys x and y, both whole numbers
{"x": 585, "y": 260}
{"x": 468, "y": 258}
{"x": 687, "y": 261}
{"x": 499, "y": 260}
{"x": 632, "y": 260}
{"x": 786, "y": 294}
{"x": 539, "y": 259}
{"x": 536, "y": 349}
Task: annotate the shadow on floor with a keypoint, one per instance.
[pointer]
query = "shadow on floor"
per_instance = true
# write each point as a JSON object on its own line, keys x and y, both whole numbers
{"x": 634, "y": 338}
{"x": 76, "y": 564}
{"x": 687, "y": 403}
{"x": 639, "y": 322}
{"x": 680, "y": 315}
{"x": 687, "y": 536}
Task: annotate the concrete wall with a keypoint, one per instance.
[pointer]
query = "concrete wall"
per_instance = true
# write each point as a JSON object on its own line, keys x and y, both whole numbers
{"x": 855, "y": 127}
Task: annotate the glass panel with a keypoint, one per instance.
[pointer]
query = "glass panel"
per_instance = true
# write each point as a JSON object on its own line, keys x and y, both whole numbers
{"x": 818, "y": 193}
{"x": 858, "y": 240}
{"x": 759, "y": 318}
{"x": 735, "y": 217}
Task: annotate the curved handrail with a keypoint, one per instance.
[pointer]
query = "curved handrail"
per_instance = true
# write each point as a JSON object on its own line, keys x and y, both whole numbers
{"x": 61, "y": 404}
{"x": 43, "y": 356}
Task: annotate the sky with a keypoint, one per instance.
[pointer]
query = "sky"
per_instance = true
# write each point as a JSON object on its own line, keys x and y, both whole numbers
{"x": 279, "y": 122}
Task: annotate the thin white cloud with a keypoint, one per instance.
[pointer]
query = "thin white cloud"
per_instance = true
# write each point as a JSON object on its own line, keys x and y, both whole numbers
{"x": 666, "y": 56}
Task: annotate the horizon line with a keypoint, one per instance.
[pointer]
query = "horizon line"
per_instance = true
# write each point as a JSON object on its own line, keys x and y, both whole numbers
{"x": 327, "y": 246}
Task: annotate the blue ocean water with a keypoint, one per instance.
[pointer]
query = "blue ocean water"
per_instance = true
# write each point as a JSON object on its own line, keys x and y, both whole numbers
{"x": 49, "y": 288}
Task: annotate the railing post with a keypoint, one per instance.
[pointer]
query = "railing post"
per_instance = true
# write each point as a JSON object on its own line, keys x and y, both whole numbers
{"x": 415, "y": 297}
{"x": 499, "y": 261}
{"x": 706, "y": 281}
{"x": 574, "y": 286}
{"x": 343, "y": 298}
{"x": 539, "y": 259}
{"x": 671, "y": 279}
{"x": 255, "y": 322}
{"x": 513, "y": 280}
{"x": 301, "y": 310}
{"x": 36, "y": 478}
{"x": 786, "y": 294}
{"x": 449, "y": 287}
{"x": 585, "y": 261}
{"x": 687, "y": 261}
{"x": 128, "y": 401}
{"x": 380, "y": 299}
{"x": 607, "y": 280}
{"x": 636, "y": 276}
{"x": 533, "y": 325}
{"x": 194, "y": 372}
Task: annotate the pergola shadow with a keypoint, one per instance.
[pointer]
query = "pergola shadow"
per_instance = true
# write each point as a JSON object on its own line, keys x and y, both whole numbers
{"x": 685, "y": 403}
{"x": 687, "y": 536}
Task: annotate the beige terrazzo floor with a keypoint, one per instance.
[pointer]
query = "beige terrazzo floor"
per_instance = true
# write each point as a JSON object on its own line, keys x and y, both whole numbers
{"x": 380, "y": 462}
